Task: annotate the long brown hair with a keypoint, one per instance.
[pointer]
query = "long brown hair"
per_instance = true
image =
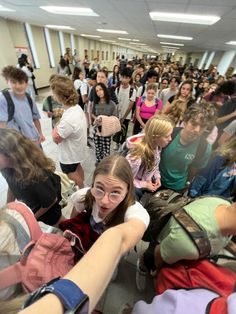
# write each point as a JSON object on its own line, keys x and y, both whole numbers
{"x": 117, "y": 166}
{"x": 25, "y": 157}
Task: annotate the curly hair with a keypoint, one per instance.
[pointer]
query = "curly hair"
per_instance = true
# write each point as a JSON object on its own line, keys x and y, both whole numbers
{"x": 157, "y": 126}
{"x": 12, "y": 73}
{"x": 205, "y": 112}
{"x": 117, "y": 166}
{"x": 62, "y": 87}
{"x": 26, "y": 158}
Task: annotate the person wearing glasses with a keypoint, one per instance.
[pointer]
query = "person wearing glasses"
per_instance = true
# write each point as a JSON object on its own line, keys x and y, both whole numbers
{"x": 110, "y": 202}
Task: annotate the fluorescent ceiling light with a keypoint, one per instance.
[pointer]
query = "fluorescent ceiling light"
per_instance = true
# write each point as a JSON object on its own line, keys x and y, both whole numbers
{"x": 60, "y": 27}
{"x": 86, "y": 35}
{"x": 69, "y": 10}
{"x": 184, "y": 18}
{"x": 112, "y": 31}
{"x": 2, "y": 8}
{"x": 170, "y": 47}
{"x": 173, "y": 44}
{"x": 108, "y": 40}
{"x": 174, "y": 37}
{"x": 135, "y": 40}
{"x": 138, "y": 44}
{"x": 121, "y": 38}
{"x": 231, "y": 42}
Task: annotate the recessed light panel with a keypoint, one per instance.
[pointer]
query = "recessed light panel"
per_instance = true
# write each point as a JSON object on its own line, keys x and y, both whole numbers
{"x": 69, "y": 10}
{"x": 173, "y": 44}
{"x": 174, "y": 37}
{"x": 87, "y": 35}
{"x": 60, "y": 27}
{"x": 184, "y": 18}
{"x": 111, "y": 31}
{"x": 231, "y": 42}
{"x": 2, "y": 8}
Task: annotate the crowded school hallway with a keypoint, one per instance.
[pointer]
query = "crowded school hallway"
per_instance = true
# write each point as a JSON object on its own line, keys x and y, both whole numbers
{"x": 117, "y": 161}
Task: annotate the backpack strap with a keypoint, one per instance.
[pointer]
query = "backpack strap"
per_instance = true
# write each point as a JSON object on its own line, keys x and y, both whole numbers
{"x": 198, "y": 236}
{"x": 32, "y": 223}
{"x": 10, "y": 104}
{"x": 49, "y": 100}
{"x": 143, "y": 90}
{"x": 131, "y": 90}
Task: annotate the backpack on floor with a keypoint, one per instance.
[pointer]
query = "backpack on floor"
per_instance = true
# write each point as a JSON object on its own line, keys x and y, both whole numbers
{"x": 43, "y": 256}
{"x": 199, "y": 274}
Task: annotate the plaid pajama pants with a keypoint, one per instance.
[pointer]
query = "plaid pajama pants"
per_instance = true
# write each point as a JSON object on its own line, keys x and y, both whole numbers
{"x": 102, "y": 146}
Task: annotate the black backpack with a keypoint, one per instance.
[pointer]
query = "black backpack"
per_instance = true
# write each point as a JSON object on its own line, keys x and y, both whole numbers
{"x": 11, "y": 105}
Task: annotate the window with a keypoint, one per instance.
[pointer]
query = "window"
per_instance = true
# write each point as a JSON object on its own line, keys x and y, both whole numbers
{"x": 61, "y": 42}
{"x": 106, "y": 55}
{"x": 49, "y": 47}
{"x": 32, "y": 47}
{"x": 102, "y": 55}
{"x": 113, "y": 55}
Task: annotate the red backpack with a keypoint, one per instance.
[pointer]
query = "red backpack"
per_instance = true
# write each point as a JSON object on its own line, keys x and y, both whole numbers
{"x": 199, "y": 274}
{"x": 43, "y": 256}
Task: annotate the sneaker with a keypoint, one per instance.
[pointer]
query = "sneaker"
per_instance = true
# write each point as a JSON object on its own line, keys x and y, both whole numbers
{"x": 116, "y": 147}
{"x": 141, "y": 276}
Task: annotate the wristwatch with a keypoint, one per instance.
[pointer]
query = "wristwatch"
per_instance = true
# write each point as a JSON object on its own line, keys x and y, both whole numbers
{"x": 70, "y": 295}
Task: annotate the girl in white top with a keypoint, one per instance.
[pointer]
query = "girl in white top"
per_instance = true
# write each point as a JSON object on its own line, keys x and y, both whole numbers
{"x": 111, "y": 199}
{"x": 71, "y": 132}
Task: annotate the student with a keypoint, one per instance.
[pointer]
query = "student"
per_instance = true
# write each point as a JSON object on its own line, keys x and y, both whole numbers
{"x": 184, "y": 95}
{"x": 219, "y": 177}
{"x": 30, "y": 176}
{"x": 53, "y": 109}
{"x": 126, "y": 96}
{"x": 70, "y": 133}
{"x": 144, "y": 157}
{"x": 114, "y": 79}
{"x": 151, "y": 77}
{"x": 178, "y": 161}
{"x": 229, "y": 133}
{"x": 110, "y": 201}
{"x": 102, "y": 106}
{"x": 146, "y": 107}
{"x": 25, "y": 115}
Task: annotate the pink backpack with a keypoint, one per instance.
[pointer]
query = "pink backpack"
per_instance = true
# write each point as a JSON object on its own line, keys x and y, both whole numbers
{"x": 44, "y": 257}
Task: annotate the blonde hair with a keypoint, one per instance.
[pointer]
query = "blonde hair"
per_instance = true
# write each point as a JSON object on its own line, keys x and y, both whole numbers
{"x": 177, "y": 110}
{"x": 25, "y": 157}
{"x": 157, "y": 126}
{"x": 13, "y": 306}
{"x": 151, "y": 86}
{"x": 63, "y": 88}
{"x": 228, "y": 150}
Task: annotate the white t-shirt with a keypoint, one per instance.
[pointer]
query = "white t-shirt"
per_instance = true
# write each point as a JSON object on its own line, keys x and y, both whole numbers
{"x": 124, "y": 99}
{"x": 73, "y": 129}
{"x": 134, "y": 211}
{"x": 78, "y": 83}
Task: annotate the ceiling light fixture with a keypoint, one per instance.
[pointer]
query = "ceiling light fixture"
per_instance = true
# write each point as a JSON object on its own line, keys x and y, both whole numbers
{"x": 231, "y": 43}
{"x": 138, "y": 44}
{"x": 121, "y": 38}
{"x": 174, "y": 44}
{"x": 93, "y": 36}
{"x": 170, "y": 47}
{"x": 2, "y": 8}
{"x": 69, "y": 10}
{"x": 174, "y": 37}
{"x": 60, "y": 27}
{"x": 111, "y": 31}
{"x": 184, "y": 18}
{"x": 108, "y": 40}
{"x": 135, "y": 40}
